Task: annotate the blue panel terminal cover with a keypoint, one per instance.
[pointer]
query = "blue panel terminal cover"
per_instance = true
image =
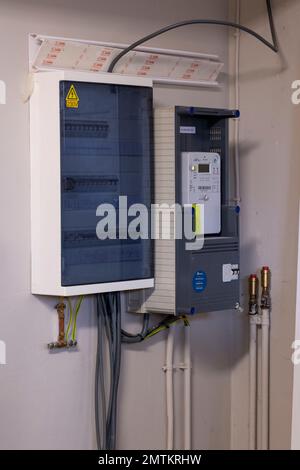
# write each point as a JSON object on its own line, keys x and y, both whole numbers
{"x": 106, "y": 151}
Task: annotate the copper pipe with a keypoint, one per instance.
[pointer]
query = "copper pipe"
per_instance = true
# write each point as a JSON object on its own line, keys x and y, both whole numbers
{"x": 60, "y": 307}
{"x": 61, "y": 341}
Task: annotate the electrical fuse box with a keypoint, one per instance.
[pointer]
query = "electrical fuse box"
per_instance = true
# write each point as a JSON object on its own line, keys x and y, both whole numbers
{"x": 91, "y": 141}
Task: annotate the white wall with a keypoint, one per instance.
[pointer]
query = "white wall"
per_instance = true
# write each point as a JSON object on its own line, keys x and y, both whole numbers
{"x": 270, "y": 181}
{"x": 46, "y": 400}
{"x": 295, "y": 434}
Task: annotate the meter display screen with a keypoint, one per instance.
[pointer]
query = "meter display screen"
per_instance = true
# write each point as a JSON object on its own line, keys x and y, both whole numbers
{"x": 203, "y": 168}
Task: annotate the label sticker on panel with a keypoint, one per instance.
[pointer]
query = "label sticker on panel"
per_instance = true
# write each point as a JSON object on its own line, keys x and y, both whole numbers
{"x": 199, "y": 281}
{"x": 230, "y": 272}
{"x": 72, "y": 98}
{"x": 187, "y": 130}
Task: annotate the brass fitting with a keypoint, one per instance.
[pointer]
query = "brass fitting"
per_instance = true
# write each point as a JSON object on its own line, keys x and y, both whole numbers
{"x": 266, "y": 287}
{"x": 253, "y": 294}
{"x": 265, "y": 278}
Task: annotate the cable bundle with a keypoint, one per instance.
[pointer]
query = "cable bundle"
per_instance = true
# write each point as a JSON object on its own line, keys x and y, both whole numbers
{"x": 111, "y": 333}
{"x": 147, "y": 332}
{"x": 109, "y": 328}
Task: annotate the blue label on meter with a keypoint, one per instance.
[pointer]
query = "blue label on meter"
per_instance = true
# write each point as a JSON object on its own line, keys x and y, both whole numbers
{"x": 199, "y": 281}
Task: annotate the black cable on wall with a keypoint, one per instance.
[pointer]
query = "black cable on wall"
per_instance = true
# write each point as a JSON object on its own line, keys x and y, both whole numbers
{"x": 272, "y": 45}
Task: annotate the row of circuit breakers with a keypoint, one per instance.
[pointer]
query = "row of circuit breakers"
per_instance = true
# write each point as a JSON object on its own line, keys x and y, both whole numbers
{"x": 95, "y": 137}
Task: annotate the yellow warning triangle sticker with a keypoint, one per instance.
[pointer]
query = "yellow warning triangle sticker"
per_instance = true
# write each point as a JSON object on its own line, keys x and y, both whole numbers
{"x": 72, "y": 98}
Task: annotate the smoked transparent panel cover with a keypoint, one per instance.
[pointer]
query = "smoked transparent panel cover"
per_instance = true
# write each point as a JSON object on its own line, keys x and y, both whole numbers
{"x": 106, "y": 152}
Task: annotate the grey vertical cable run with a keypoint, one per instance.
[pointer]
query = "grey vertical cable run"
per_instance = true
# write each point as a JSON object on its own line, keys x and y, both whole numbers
{"x": 97, "y": 397}
{"x": 110, "y": 332}
{"x": 100, "y": 404}
{"x": 109, "y": 326}
{"x": 117, "y": 367}
{"x": 272, "y": 45}
{"x": 105, "y": 304}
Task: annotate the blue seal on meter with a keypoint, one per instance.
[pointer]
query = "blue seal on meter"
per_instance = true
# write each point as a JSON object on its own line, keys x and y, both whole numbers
{"x": 199, "y": 281}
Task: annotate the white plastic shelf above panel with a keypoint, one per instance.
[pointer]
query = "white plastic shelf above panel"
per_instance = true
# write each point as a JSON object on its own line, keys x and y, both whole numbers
{"x": 162, "y": 65}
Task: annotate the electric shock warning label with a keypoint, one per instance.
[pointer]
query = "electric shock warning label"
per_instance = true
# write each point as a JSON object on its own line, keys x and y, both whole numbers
{"x": 72, "y": 98}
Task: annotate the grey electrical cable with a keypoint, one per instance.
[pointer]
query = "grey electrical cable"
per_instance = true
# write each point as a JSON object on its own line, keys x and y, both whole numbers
{"x": 97, "y": 398}
{"x": 109, "y": 335}
{"x": 113, "y": 318}
{"x": 100, "y": 387}
{"x": 117, "y": 366}
{"x": 100, "y": 402}
{"x": 101, "y": 441}
{"x": 109, "y": 323}
{"x": 273, "y": 46}
{"x": 131, "y": 338}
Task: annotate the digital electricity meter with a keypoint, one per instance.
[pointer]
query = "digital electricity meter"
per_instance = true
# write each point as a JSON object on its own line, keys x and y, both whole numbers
{"x": 201, "y": 184}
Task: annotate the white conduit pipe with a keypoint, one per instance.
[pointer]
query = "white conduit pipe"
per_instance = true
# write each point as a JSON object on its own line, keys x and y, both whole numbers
{"x": 253, "y": 382}
{"x": 169, "y": 388}
{"x": 265, "y": 360}
{"x": 237, "y": 105}
{"x": 254, "y": 320}
{"x": 187, "y": 389}
{"x": 261, "y": 319}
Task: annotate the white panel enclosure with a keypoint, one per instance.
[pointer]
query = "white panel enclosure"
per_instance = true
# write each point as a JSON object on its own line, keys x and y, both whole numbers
{"x": 46, "y": 268}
